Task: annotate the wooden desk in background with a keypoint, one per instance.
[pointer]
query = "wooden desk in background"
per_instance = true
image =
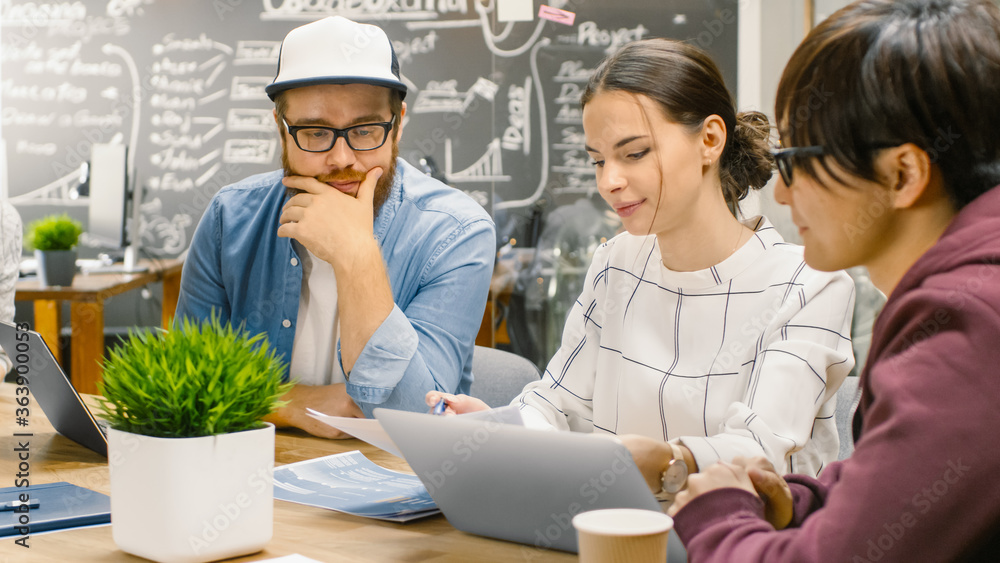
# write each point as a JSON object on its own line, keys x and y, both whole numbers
{"x": 323, "y": 535}
{"x": 86, "y": 297}
{"x": 501, "y": 286}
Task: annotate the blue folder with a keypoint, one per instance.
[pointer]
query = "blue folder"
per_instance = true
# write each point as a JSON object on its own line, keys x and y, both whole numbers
{"x": 59, "y": 506}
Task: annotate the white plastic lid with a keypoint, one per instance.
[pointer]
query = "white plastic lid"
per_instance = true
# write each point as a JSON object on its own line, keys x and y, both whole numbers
{"x": 623, "y": 522}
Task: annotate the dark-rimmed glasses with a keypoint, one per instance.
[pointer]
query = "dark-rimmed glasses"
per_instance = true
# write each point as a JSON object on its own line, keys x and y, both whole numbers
{"x": 364, "y": 137}
{"x": 783, "y": 159}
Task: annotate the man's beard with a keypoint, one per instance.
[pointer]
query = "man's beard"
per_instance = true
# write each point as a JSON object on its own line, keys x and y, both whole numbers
{"x": 383, "y": 186}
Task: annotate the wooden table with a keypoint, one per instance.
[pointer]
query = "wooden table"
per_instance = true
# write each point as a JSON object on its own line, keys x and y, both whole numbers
{"x": 323, "y": 535}
{"x": 86, "y": 297}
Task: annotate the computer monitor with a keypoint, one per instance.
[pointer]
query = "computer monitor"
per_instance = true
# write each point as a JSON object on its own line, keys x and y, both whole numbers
{"x": 109, "y": 195}
{"x": 112, "y": 205}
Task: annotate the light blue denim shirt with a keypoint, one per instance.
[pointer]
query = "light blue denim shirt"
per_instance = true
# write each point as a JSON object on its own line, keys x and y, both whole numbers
{"x": 438, "y": 246}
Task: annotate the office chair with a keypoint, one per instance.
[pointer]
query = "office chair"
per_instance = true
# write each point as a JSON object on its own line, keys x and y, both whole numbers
{"x": 847, "y": 401}
{"x": 499, "y": 376}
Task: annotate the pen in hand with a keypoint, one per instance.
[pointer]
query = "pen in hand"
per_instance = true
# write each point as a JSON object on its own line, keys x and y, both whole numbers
{"x": 440, "y": 407}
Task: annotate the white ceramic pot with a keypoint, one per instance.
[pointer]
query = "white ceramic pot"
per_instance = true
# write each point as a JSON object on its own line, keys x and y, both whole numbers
{"x": 191, "y": 500}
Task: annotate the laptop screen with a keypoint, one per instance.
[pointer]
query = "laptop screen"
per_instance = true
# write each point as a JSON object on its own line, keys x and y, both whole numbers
{"x": 49, "y": 388}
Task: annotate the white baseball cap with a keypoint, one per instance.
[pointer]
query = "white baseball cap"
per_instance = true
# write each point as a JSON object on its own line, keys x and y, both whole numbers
{"x": 336, "y": 50}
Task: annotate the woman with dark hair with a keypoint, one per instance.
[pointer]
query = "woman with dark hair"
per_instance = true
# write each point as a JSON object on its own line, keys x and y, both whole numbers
{"x": 897, "y": 168}
{"x": 698, "y": 336}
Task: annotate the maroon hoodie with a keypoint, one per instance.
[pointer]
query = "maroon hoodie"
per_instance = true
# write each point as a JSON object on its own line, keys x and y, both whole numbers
{"x": 923, "y": 483}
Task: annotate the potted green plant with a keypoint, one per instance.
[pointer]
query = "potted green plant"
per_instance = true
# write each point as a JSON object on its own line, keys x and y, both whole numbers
{"x": 54, "y": 239}
{"x": 190, "y": 458}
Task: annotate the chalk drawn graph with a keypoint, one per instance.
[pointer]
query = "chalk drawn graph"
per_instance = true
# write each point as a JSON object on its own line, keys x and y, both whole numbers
{"x": 501, "y": 98}
{"x": 488, "y": 168}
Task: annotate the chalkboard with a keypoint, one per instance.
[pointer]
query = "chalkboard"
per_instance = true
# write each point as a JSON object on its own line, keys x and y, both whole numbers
{"x": 181, "y": 82}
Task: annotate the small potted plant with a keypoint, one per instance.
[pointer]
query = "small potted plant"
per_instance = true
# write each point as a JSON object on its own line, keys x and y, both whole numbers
{"x": 54, "y": 239}
{"x": 190, "y": 458}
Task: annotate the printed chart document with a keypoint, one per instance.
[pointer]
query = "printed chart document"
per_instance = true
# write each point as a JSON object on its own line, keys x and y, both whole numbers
{"x": 351, "y": 483}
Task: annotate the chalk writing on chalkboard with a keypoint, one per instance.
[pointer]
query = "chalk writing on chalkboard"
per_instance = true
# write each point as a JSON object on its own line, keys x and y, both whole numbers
{"x": 181, "y": 82}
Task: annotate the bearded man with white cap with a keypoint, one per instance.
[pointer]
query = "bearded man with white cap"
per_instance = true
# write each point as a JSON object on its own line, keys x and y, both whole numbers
{"x": 367, "y": 275}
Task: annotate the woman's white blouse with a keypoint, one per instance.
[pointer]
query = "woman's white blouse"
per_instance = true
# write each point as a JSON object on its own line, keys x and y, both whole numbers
{"x": 741, "y": 359}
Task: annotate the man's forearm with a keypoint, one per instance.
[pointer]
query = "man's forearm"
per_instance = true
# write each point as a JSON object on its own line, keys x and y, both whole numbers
{"x": 327, "y": 399}
{"x": 280, "y": 418}
{"x": 364, "y": 300}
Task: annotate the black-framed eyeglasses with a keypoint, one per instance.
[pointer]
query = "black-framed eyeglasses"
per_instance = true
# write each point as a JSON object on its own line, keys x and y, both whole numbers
{"x": 783, "y": 159}
{"x": 364, "y": 137}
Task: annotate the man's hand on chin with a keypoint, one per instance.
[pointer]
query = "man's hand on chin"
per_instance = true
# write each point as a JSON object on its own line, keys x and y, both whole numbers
{"x": 333, "y": 225}
{"x": 327, "y": 399}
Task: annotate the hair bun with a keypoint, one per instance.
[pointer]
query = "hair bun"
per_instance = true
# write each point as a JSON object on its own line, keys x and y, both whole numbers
{"x": 748, "y": 160}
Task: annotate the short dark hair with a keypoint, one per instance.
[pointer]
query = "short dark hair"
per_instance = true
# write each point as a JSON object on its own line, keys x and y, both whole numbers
{"x": 688, "y": 87}
{"x": 882, "y": 73}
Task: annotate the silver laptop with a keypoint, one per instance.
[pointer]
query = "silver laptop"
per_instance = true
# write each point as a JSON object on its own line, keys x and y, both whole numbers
{"x": 514, "y": 483}
{"x": 50, "y": 389}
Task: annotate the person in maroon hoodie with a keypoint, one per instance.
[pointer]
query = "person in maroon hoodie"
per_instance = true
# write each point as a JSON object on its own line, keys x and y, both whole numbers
{"x": 890, "y": 112}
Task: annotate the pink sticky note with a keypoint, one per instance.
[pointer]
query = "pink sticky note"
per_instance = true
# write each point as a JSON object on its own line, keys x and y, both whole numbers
{"x": 556, "y": 15}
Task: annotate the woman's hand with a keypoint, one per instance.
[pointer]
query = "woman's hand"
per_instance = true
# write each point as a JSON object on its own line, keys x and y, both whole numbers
{"x": 771, "y": 488}
{"x": 456, "y": 404}
{"x": 650, "y": 456}
{"x": 721, "y": 475}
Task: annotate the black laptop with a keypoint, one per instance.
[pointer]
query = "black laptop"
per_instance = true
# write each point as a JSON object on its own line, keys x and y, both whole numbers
{"x": 50, "y": 389}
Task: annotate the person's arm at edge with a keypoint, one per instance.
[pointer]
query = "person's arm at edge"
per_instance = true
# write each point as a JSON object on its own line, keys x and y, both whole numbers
{"x": 901, "y": 453}
{"x": 10, "y": 262}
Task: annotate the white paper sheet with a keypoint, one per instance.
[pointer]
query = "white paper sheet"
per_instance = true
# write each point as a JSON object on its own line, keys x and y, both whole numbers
{"x": 365, "y": 429}
{"x": 371, "y": 431}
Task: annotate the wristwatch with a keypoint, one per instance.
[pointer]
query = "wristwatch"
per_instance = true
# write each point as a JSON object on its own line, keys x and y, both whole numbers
{"x": 674, "y": 478}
